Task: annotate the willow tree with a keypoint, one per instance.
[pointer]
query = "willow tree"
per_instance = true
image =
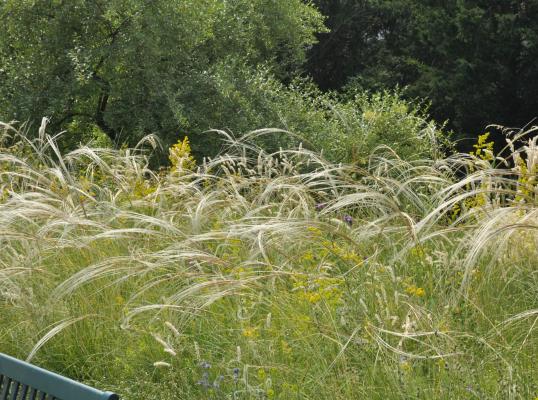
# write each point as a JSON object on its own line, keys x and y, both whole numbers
{"x": 133, "y": 67}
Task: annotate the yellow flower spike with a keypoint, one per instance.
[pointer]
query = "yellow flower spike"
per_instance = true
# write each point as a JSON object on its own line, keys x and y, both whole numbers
{"x": 261, "y": 374}
{"x": 484, "y": 150}
{"x": 250, "y": 332}
{"x": 180, "y": 156}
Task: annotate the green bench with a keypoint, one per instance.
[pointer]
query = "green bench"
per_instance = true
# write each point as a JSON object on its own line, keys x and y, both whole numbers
{"x": 22, "y": 381}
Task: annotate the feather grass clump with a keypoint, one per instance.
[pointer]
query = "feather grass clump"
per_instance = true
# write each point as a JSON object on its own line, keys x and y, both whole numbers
{"x": 272, "y": 275}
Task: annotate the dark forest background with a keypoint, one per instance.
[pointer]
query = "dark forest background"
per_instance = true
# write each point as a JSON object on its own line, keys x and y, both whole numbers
{"x": 341, "y": 74}
{"x": 476, "y": 61}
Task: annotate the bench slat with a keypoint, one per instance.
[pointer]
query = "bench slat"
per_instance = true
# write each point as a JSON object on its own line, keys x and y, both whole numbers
{"x": 33, "y": 394}
{"x": 46, "y": 382}
{"x": 6, "y": 383}
{"x": 15, "y": 386}
{"x": 24, "y": 391}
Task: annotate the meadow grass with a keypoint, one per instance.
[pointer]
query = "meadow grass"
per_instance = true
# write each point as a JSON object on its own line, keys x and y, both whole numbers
{"x": 272, "y": 276}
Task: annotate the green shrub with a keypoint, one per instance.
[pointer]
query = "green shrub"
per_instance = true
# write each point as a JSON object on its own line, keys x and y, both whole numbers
{"x": 345, "y": 127}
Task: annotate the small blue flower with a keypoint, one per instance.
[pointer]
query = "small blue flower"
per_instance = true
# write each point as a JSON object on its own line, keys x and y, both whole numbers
{"x": 348, "y": 219}
{"x": 205, "y": 365}
{"x": 204, "y": 382}
{"x": 217, "y": 382}
{"x": 236, "y": 374}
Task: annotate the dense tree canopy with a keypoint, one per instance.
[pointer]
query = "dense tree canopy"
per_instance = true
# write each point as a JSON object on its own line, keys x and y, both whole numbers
{"x": 474, "y": 59}
{"x": 133, "y": 67}
{"x": 127, "y": 68}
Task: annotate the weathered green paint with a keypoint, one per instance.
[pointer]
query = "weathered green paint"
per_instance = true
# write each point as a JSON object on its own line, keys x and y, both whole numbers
{"x": 19, "y": 378}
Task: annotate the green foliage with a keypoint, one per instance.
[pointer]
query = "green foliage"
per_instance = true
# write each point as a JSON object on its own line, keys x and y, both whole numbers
{"x": 132, "y": 67}
{"x": 105, "y": 69}
{"x": 346, "y": 126}
{"x": 475, "y": 60}
{"x": 232, "y": 280}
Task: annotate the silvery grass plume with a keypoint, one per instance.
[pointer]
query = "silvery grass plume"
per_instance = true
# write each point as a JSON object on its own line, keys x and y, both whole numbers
{"x": 269, "y": 233}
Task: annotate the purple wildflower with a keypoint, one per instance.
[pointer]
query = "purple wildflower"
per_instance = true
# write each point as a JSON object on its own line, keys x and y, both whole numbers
{"x": 320, "y": 206}
{"x": 217, "y": 382}
{"x": 348, "y": 220}
{"x": 236, "y": 374}
{"x": 205, "y": 365}
{"x": 204, "y": 382}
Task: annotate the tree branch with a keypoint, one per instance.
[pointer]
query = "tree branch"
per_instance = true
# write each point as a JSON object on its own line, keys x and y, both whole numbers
{"x": 100, "y": 118}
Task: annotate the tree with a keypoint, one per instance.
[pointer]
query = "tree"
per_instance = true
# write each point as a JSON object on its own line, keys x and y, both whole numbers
{"x": 474, "y": 59}
{"x": 132, "y": 67}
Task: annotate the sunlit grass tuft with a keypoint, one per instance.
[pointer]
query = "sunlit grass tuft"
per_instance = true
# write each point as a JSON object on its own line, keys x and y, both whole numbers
{"x": 256, "y": 275}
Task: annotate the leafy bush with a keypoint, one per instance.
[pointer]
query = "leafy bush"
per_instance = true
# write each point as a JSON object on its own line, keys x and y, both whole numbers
{"x": 346, "y": 127}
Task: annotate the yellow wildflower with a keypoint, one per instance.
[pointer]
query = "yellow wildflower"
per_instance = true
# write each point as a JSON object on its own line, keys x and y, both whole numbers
{"x": 415, "y": 291}
{"x": 180, "y": 156}
{"x": 483, "y": 149}
{"x": 314, "y": 230}
{"x": 313, "y": 297}
{"x": 250, "y": 332}
{"x": 261, "y": 374}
